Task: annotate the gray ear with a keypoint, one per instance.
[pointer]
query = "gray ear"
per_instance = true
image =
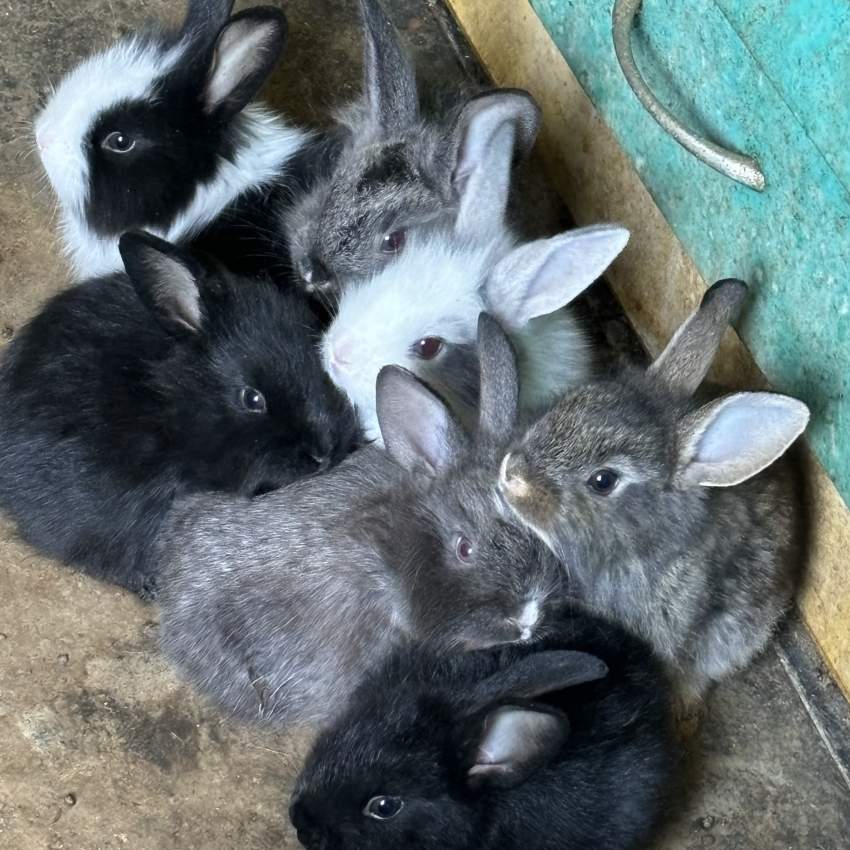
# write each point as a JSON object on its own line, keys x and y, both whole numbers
{"x": 204, "y": 18}
{"x": 419, "y": 431}
{"x": 490, "y": 129}
{"x": 499, "y": 398}
{"x": 730, "y": 440}
{"x": 542, "y": 276}
{"x": 514, "y": 743}
{"x": 537, "y": 674}
{"x": 165, "y": 281}
{"x": 246, "y": 51}
{"x": 687, "y": 358}
{"x": 389, "y": 80}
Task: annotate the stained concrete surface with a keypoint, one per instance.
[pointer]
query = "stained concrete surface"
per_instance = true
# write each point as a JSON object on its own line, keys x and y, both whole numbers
{"x": 101, "y": 746}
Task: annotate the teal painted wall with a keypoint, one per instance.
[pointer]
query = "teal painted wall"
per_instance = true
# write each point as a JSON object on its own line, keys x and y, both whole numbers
{"x": 769, "y": 78}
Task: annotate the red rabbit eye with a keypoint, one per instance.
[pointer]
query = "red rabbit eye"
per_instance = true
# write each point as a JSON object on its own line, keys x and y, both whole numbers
{"x": 393, "y": 242}
{"x": 428, "y": 347}
{"x": 464, "y": 548}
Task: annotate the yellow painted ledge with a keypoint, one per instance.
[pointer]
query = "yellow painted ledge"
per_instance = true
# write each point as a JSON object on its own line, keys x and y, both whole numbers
{"x": 655, "y": 280}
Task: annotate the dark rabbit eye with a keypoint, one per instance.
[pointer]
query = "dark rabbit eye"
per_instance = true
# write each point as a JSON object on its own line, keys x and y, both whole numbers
{"x": 463, "y": 548}
{"x": 383, "y": 808}
{"x": 428, "y": 347}
{"x": 252, "y": 400}
{"x": 119, "y": 142}
{"x": 603, "y": 481}
{"x": 393, "y": 242}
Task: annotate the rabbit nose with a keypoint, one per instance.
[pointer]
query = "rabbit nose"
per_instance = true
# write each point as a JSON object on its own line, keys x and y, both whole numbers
{"x": 342, "y": 354}
{"x": 315, "y": 273}
{"x": 528, "y": 618}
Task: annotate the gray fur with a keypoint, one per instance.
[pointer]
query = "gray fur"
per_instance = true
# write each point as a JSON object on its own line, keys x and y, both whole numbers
{"x": 704, "y": 573}
{"x": 275, "y": 607}
{"x": 396, "y": 171}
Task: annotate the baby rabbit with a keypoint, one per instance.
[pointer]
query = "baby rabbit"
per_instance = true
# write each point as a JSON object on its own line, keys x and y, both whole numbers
{"x": 558, "y": 744}
{"x": 157, "y": 132}
{"x": 128, "y": 390}
{"x": 672, "y": 516}
{"x": 421, "y": 311}
{"x": 400, "y": 173}
{"x": 275, "y": 607}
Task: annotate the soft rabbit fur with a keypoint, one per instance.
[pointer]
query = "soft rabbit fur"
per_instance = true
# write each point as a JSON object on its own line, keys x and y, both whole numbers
{"x": 421, "y": 311}
{"x": 157, "y": 132}
{"x": 275, "y": 607}
{"x": 676, "y": 518}
{"x": 400, "y": 172}
{"x": 126, "y": 391}
{"x": 559, "y": 744}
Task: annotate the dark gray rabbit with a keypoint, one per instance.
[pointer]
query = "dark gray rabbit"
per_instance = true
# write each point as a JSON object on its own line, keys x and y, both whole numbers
{"x": 559, "y": 744}
{"x": 675, "y": 517}
{"x": 275, "y": 607}
{"x": 399, "y": 171}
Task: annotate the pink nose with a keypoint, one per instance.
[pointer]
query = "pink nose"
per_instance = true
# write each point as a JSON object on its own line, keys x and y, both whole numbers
{"x": 44, "y": 138}
{"x": 342, "y": 353}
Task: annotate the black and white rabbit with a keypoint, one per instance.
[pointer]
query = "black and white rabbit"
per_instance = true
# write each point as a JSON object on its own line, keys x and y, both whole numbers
{"x": 157, "y": 132}
{"x": 128, "y": 390}
{"x": 676, "y": 517}
{"x": 559, "y": 744}
{"x": 275, "y": 607}
{"x": 401, "y": 170}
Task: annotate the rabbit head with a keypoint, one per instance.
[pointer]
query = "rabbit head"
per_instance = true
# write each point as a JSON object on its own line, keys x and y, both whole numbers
{"x": 421, "y": 311}
{"x": 398, "y": 173}
{"x": 153, "y": 132}
{"x": 621, "y": 465}
{"x": 485, "y": 579}
{"x": 420, "y": 769}
{"x": 245, "y": 404}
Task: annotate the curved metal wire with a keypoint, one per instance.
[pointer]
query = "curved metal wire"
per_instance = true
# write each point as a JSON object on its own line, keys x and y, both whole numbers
{"x": 743, "y": 169}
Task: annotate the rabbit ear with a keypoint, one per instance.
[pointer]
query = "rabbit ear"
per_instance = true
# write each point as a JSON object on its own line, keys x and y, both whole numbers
{"x": 490, "y": 128}
{"x": 419, "y": 431}
{"x": 247, "y": 49}
{"x": 685, "y": 361}
{"x": 204, "y": 19}
{"x": 544, "y": 275}
{"x": 499, "y": 397}
{"x": 164, "y": 280}
{"x": 389, "y": 80}
{"x": 514, "y": 743}
{"x": 537, "y": 674}
{"x": 730, "y": 440}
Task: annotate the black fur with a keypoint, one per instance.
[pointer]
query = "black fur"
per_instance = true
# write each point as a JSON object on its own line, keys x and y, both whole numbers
{"x": 106, "y": 414}
{"x": 412, "y": 731}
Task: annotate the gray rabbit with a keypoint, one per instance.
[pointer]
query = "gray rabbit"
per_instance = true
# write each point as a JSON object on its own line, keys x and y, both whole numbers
{"x": 275, "y": 607}
{"x": 675, "y": 517}
{"x": 398, "y": 171}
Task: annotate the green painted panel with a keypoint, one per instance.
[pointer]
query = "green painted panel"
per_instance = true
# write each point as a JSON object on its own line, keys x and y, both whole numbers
{"x": 803, "y": 46}
{"x": 792, "y": 242}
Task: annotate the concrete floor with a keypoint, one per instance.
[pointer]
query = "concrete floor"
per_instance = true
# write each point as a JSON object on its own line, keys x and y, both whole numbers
{"x": 101, "y": 747}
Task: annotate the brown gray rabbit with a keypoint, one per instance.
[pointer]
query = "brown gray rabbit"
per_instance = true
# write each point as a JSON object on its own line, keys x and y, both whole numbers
{"x": 677, "y": 518}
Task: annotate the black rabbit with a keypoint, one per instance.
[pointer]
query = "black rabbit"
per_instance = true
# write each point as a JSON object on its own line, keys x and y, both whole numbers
{"x": 559, "y": 744}
{"x": 128, "y": 390}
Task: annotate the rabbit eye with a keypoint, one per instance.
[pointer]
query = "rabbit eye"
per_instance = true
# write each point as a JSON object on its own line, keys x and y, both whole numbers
{"x": 464, "y": 548}
{"x": 428, "y": 347}
{"x": 393, "y": 242}
{"x": 603, "y": 481}
{"x": 383, "y": 808}
{"x": 118, "y": 142}
{"x": 252, "y": 400}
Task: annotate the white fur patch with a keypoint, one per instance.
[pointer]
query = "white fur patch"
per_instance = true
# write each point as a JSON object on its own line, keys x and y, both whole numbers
{"x": 435, "y": 288}
{"x": 528, "y": 618}
{"x": 125, "y": 71}
{"x": 129, "y": 69}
